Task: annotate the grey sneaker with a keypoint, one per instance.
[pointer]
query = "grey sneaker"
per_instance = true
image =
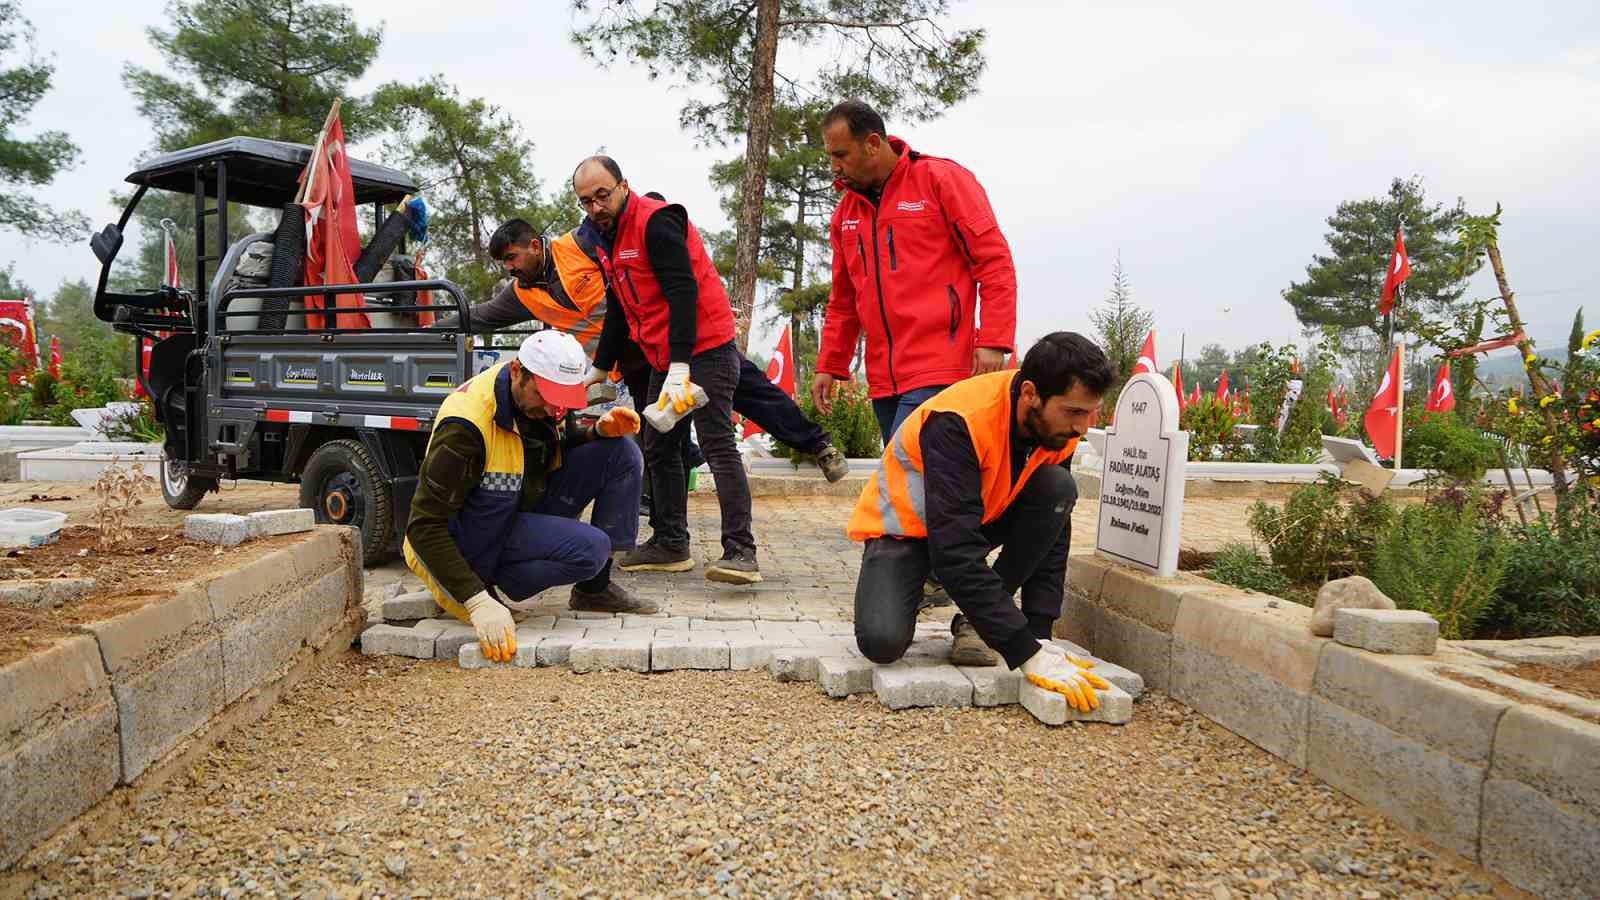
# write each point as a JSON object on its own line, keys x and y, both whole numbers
{"x": 652, "y": 557}
{"x": 613, "y": 598}
{"x": 934, "y": 594}
{"x": 833, "y": 464}
{"x": 735, "y": 567}
{"x": 968, "y": 649}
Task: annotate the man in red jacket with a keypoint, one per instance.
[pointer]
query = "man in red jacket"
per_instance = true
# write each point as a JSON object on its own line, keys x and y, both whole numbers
{"x": 913, "y": 239}
{"x": 671, "y": 302}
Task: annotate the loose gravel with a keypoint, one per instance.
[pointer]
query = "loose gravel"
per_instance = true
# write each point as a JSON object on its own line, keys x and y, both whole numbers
{"x": 392, "y": 777}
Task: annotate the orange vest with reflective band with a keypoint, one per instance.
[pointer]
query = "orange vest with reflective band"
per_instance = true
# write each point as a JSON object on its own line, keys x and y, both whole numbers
{"x": 893, "y": 502}
{"x": 576, "y": 303}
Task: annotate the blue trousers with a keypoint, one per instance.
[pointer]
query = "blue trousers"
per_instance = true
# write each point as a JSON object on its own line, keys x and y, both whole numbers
{"x": 891, "y": 411}
{"x": 549, "y": 546}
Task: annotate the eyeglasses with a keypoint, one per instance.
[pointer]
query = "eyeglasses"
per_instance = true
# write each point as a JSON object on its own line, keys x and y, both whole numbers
{"x": 599, "y": 198}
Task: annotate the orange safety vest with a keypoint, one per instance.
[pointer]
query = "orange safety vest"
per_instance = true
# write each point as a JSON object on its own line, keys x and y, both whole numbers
{"x": 577, "y": 303}
{"x": 893, "y": 502}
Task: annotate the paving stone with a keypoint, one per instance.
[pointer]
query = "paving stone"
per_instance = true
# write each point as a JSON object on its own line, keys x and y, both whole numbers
{"x": 417, "y": 605}
{"x": 590, "y": 655}
{"x": 471, "y": 657}
{"x": 393, "y": 640}
{"x": 1049, "y": 707}
{"x": 606, "y": 622}
{"x": 841, "y": 676}
{"x": 269, "y": 522}
{"x": 744, "y": 625}
{"x": 555, "y": 648}
{"x": 910, "y": 683}
{"x": 992, "y": 685}
{"x": 592, "y": 616}
{"x": 578, "y": 625}
{"x": 447, "y": 645}
{"x": 658, "y": 622}
{"x": 537, "y": 623}
{"x": 842, "y": 629}
{"x": 44, "y": 593}
{"x": 217, "y": 528}
{"x": 750, "y": 652}
{"x": 1410, "y": 631}
{"x": 698, "y": 652}
{"x": 793, "y": 663}
{"x": 931, "y": 648}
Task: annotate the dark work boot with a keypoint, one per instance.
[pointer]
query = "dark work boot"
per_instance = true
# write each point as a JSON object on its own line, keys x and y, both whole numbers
{"x": 652, "y": 557}
{"x": 735, "y": 567}
{"x": 968, "y": 649}
{"x": 613, "y": 598}
{"x": 833, "y": 464}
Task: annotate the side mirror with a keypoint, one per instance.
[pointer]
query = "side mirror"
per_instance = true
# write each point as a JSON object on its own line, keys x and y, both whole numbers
{"x": 106, "y": 244}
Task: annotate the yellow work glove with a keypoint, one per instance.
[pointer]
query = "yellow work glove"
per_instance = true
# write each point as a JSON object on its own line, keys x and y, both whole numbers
{"x": 617, "y": 422}
{"x": 497, "y": 633}
{"x": 675, "y": 390}
{"x": 1053, "y": 669}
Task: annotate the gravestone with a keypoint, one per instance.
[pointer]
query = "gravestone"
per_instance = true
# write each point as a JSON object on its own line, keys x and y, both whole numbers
{"x": 1141, "y": 478}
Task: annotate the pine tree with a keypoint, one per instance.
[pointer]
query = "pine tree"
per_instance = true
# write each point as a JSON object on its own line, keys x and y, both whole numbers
{"x": 29, "y": 162}
{"x": 1122, "y": 325}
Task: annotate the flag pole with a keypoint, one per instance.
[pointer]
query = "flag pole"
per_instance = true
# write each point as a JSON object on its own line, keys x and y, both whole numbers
{"x": 1400, "y": 407}
{"x": 316, "y": 149}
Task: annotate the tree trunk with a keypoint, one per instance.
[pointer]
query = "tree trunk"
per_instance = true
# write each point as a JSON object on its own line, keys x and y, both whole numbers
{"x": 747, "y": 248}
{"x": 1541, "y": 385}
{"x": 799, "y": 260}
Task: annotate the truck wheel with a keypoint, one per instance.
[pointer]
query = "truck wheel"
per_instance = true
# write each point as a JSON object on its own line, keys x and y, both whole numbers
{"x": 343, "y": 485}
{"x": 180, "y": 489}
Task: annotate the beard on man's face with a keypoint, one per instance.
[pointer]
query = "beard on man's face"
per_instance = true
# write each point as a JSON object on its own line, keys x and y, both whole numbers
{"x": 1037, "y": 430}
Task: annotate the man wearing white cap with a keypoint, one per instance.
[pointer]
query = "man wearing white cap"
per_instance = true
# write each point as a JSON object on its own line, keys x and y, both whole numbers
{"x": 508, "y": 471}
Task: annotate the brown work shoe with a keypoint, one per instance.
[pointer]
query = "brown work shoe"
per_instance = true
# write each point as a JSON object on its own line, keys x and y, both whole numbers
{"x": 735, "y": 567}
{"x": 968, "y": 649}
{"x": 613, "y": 598}
{"x": 652, "y": 557}
{"x": 833, "y": 463}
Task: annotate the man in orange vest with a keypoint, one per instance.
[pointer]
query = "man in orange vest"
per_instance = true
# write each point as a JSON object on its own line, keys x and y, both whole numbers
{"x": 983, "y": 464}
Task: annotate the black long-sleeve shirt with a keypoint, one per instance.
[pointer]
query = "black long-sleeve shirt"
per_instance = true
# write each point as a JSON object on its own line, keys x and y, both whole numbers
{"x": 953, "y": 491}
{"x": 666, "y": 248}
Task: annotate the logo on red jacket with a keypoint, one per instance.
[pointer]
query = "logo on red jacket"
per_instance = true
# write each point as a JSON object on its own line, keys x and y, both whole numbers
{"x": 911, "y": 205}
{"x": 628, "y": 254}
{"x": 849, "y": 224}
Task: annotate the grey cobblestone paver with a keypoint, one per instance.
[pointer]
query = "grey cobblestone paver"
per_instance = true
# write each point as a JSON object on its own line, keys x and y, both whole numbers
{"x": 1051, "y": 708}
{"x": 921, "y": 682}
{"x": 841, "y": 676}
{"x": 392, "y": 640}
{"x": 698, "y": 651}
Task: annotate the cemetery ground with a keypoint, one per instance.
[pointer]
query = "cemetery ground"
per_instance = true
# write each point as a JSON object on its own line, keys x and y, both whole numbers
{"x": 398, "y": 777}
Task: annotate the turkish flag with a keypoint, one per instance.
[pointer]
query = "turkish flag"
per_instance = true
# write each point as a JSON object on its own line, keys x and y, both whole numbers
{"x": 1382, "y": 416}
{"x": 1147, "y": 356}
{"x": 1194, "y": 397}
{"x": 1177, "y": 385}
{"x": 1443, "y": 397}
{"x": 1222, "y": 386}
{"x": 55, "y": 357}
{"x": 780, "y": 371}
{"x": 1399, "y": 270}
{"x": 332, "y": 242}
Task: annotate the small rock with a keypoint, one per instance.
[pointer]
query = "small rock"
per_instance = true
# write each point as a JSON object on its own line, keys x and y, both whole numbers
{"x": 1355, "y": 592}
{"x": 396, "y": 865}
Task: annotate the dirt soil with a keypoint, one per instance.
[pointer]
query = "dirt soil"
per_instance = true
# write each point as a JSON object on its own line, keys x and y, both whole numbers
{"x": 391, "y": 777}
{"x": 1583, "y": 681}
{"x": 136, "y": 572}
{"x": 1520, "y": 697}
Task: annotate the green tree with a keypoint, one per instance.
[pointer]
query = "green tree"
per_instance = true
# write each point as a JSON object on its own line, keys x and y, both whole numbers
{"x": 474, "y": 167}
{"x": 261, "y": 68}
{"x": 1342, "y": 287}
{"x": 893, "y": 53}
{"x": 265, "y": 68}
{"x": 1121, "y": 323}
{"x": 29, "y": 163}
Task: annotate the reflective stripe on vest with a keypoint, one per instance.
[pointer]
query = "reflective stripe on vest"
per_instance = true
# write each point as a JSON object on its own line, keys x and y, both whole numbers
{"x": 581, "y": 285}
{"x": 894, "y": 500}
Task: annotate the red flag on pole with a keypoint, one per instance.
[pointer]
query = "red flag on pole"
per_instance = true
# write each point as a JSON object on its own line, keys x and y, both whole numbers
{"x": 1222, "y": 386}
{"x": 1177, "y": 385}
{"x": 1443, "y": 397}
{"x": 170, "y": 277}
{"x": 1399, "y": 271}
{"x": 780, "y": 371}
{"x": 1011, "y": 361}
{"x": 55, "y": 356}
{"x": 1194, "y": 396}
{"x": 1382, "y": 416}
{"x": 1147, "y": 356}
{"x": 332, "y": 242}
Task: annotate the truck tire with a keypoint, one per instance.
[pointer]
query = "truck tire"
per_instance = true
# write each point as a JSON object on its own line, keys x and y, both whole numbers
{"x": 180, "y": 489}
{"x": 343, "y": 485}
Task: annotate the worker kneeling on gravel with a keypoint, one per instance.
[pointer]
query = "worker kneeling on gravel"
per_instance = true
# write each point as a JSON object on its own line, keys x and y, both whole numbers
{"x": 984, "y": 464}
{"x": 507, "y": 473}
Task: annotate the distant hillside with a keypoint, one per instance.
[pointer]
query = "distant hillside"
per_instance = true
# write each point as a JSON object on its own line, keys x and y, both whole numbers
{"x": 1504, "y": 367}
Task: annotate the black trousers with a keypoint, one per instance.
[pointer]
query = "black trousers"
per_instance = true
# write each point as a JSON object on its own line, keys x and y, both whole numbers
{"x": 1034, "y": 539}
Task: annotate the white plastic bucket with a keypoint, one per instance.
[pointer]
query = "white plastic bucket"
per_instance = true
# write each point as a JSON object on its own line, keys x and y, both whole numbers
{"x": 30, "y": 527}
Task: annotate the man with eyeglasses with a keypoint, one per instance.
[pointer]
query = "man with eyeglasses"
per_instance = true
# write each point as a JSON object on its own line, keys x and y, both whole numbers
{"x": 671, "y": 302}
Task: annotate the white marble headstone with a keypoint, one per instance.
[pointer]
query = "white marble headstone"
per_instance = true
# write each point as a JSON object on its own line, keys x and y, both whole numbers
{"x": 1141, "y": 478}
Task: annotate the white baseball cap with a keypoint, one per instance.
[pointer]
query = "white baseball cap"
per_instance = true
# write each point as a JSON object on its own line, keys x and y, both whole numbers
{"x": 558, "y": 365}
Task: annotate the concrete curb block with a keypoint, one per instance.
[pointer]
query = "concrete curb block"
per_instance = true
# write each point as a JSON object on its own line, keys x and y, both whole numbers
{"x": 1511, "y": 784}
{"x": 113, "y": 709}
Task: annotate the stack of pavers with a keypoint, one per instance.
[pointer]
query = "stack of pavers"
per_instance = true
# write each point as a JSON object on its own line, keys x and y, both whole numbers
{"x": 820, "y": 652}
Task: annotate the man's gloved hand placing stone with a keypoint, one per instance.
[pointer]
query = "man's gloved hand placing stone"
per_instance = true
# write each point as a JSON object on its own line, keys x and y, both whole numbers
{"x": 1053, "y": 669}
{"x": 497, "y": 633}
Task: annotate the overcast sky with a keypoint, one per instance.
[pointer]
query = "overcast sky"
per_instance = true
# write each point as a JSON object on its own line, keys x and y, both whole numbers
{"x": 1208, "y": 143}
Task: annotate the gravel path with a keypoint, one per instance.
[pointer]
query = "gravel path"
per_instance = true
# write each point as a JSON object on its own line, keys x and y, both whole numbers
{"x": 537, "y": 782}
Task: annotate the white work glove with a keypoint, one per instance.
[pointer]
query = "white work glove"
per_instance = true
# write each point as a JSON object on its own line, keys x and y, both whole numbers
{"x": 675, "y": 390}
{"x": 497, "y": 633}
{"x": 1053, "y": 669}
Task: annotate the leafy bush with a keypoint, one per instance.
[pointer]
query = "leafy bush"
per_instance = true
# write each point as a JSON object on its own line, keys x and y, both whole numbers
{"x": 1551, "y": 584}
{"x": 851, "y": 425}
{"x": 1269, "y": 374}
{"x": 88, "y": 379}
{"x": 139, "y": 426}
{"x": 1444, "y": 443}
{"x": 1240, "y": 565}
{"x": 1210, "y": 426}
{"x": 1319, "y": 533}
{"x": 1440, "y": 558}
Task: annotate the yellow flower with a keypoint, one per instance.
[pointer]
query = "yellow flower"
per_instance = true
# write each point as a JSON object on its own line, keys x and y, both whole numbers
{"x": 1511, "y": 405}
{"x": 1546, "y": 400}
{"x": 1530, "y": 359}
{"x": 1589, "y": 339}
{"x": 1547, "y": 439}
